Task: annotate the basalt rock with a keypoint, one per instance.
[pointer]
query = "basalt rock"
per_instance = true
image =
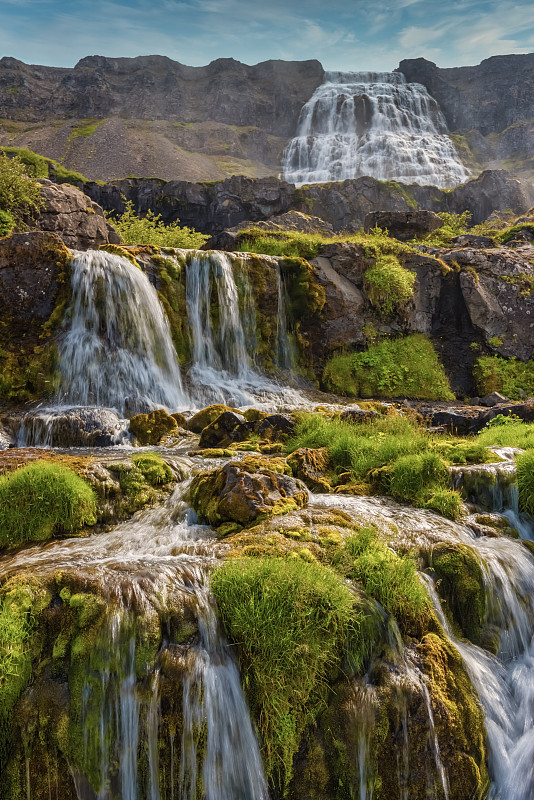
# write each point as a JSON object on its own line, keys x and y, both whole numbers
{"x": 403, "y": 225}
{"x": 69, "y": 427}
{"x": 150, "y": 428}
{"x": 231, "y": 494}
{"x": 220, "y": 432}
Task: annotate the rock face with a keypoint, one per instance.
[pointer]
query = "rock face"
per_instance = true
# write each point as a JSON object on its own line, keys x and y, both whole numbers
{"x": 212, "y": 208}
{"x": 73, "y": 427}
{"x": 74, "y": 217}
{"x": 403, "y": 225}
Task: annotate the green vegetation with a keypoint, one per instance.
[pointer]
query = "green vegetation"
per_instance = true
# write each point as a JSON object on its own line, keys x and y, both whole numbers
{"x": 388, "y": 578}
{"x": 406, "y": 367}
{"x": 514, "y": 434}
{"x": 461, "y": 584}
{"x": 525, "y": 481}
{"x": 152, "y": 230}
{"x": 389, "y": 286}
{"x": 85, "y": 128}
{"x": 41, "y": 167}
{"x": 41, "y": 500}
{"x": 453, "y": 225}
{"x": 292, "y": 620}
{"x": 20, "y": 194}
{"x": 509, "y": 233}
{"x": 507, "y": 376}
{"x": 153, "y": 468}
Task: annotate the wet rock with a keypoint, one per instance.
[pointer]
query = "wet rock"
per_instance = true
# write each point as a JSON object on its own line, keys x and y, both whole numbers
{"x": 6, "y": 440}
{"x": 206, "y": 416}
{"x": 220, "y": 432}
{"x": 150, "y": 428}
{"x": 69, "y": 427}
{"x": 232, "y": 494}
{"x": 275, "y": 427}
{"x": 357, "y": 414}
{"x": 311, "y": 466}
{"x": 403, "y": 225}
{"x": 74, "y": 217}
{"x": 181, "y": 420}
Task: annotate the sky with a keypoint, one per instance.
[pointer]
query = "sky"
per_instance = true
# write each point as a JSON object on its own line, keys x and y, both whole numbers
{"x": 342, "y": 34}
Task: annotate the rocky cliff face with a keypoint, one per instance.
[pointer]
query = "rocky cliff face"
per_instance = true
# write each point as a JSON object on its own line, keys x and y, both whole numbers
{"x": 154, "y": 116}
{"x": 490, "y": 104}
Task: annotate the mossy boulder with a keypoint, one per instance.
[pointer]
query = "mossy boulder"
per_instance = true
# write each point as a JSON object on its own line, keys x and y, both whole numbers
{"x": 311, "y": 465}
{"x": 206, "y": 416}
{"x": 461, "y": 585}
{"x": 219, "y": 433}
{"x": 181, "y": 420}
{"x": 233, "y": 494}
{"x": 151, "y": 428}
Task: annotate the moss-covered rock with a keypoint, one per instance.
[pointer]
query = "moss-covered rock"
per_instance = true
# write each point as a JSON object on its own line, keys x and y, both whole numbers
{"x": 312, "y": 466}
{"x": 232, "y": 494}
{"x": 206, "y": 416}
{"x": 461, "y": 585}
{"x": 220, "y": 432}
{"x": 150, "y": 428}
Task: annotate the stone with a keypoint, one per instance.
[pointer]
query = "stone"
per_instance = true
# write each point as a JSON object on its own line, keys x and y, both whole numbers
{"x": 470, "y": 240}
{"x": 311, "y": 466}
{"x": 71, "y": 427}
{"x": 150, "y": 428}
{"x": 494, "y": 399}
{"x": 357, "y": 414}
{"x": 275, "y": 427}
{"x": 77, "y": 220}
{"x": 403, "y": 225}
{"x": 206, "y": 416}
{"x": 219, "y": 432}
{"x": 232, "y": 494}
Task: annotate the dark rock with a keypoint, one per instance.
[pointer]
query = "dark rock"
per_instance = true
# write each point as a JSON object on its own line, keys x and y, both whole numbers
{"x": 275, "y": 427}
{"x": 6, "y": 440}
{"x": 311, "y": 466}
{"x": 74, "y": 217}
{"x": 68, "y": 427}
{"x": 231, "y": 494}
{"x": 470, "y": 240}
{"x": 494, "y": 399}
{"x": 403, "y": 225}
{"x": 150, "y": 428}
{"x": 219, "y": 432}
{"x": 357, "y": 414}
{"x": 206, "y": 416}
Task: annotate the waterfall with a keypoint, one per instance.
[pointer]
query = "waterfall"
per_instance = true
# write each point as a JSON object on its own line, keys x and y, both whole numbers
{"x": 223, "y": 327}
{"x": 116, "y": 350}
{"x": 372, "y": 124}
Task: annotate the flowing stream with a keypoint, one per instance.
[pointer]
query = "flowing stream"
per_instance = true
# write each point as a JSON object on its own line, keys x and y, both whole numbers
{"x": 372, "y": 123}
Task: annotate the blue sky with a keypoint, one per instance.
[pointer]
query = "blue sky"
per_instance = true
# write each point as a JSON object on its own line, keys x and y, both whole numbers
{"x": 342, "y": 34}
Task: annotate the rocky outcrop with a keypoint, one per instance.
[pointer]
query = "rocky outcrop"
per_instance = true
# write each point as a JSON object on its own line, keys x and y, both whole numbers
{"x": 77, "y": 220}
{"x": 70, "y": 427}
{"x": 216, "y": 207}
{"x": 403, "y": 225}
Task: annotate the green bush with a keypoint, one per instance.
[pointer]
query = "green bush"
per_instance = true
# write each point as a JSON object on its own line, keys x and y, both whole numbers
{"x": 453, "y": 225}
{"x": 41, "y": 500}
{"x": 508, "y": 376}
{"x": 405, "y": 367}
{"x": 20, "y": 194}
{"x": 446, "y": 502}
{"x": 389, "y": 286}
{"x": 152, "y": 230}
{"x": 291, "y": 620}
{"x": 525, "y": 481}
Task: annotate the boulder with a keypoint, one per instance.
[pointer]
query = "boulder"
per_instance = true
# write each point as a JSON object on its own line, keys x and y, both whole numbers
{"x": 470, "y": 240}
{"x": 232, "y": 494}
{"x": 150, "y": 428}
{"x": 68, "y": 427}
{"x": 206, "y": 416}
{"x": 357, "y": 414}
{"x": 220, "y": 432}
{"x": 275, "y": 427}
{"x": 403, "y": 225}
{"x": 77, "y": 220}
{"x": 311, "y": 466}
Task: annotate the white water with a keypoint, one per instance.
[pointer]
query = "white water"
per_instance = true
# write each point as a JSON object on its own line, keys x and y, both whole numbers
{"x": 117, "y": 349}
{"x": 372, "y": 124}
{"x": 223, "y": 368}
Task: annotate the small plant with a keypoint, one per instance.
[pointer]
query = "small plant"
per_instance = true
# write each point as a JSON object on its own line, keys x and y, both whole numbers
{"x": 42, "y": 500}
{"x": 503, "y": 419}
{"x": 389, "y": 286}
{"x": 152, "y": 230}
{"x": 495, "y": 341}
{"x": 20, "y": 193}
{"x": 509, "y": 376}
{"x": 525, "y": 481}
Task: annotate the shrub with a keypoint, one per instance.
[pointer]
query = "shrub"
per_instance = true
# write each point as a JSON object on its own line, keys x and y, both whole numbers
{"x": 291, "y": 619}
{"x": 525, "y": 481}
{"x": 508, "y": 376}
{"x": 20, "y": 194}
{"x": 389, "y": 286}
{"x": 406, "y": 367}
{"x": 41, "y": 500}
{"x": 152, "y": 230}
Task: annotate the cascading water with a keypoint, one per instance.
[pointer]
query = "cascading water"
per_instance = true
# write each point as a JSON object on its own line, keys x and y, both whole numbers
{"x": 372, "y": 124}
{"x": 117, "y": 349}
{"x": 223, "y": 368}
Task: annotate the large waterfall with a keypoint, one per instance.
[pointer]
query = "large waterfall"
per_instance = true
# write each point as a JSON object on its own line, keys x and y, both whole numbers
{"x": 372, "y": 123}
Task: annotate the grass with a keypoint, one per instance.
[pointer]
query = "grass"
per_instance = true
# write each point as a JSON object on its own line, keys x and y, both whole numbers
{"x": 85, "y": 128}
{"x": 507, "y": 376}
{"x": 389, "y": 286}
{"x": 41, "y": 500}
{"x": 525, "y": 481}
{"x": 405, "y": 367}
{"x": 291, "y": 619}
{"x": 42, "y": 167}
{"x": 515, "y": 434}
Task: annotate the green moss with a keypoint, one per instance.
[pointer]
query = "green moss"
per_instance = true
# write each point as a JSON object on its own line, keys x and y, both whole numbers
{"x": 292, "y": 621}
{"x": 405, "y": 367}
{"x": 510, "y": 376}
{"x": 84, "y": 129}
{"x": 446, "y": 502}
{"x": 41, "y": 500}
{"x": 306, "y": 295}
{"x": 461, "y": 585}
{"x": 525, "y": 481}
{"x": 389, "y": 286}
{"x": 399, "y": 188}
{"x": 150, "y": 428}
{"x": 117, "y": 250}
{"x": 42, "y": 167}
{"x": 206, "y": 416}
{"x": 153, "y": 468}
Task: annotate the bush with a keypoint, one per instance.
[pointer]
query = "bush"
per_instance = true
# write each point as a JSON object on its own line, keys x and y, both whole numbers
{"x": 152, "y": 230}
{"x": 41, "y": 500}
{"x": 525, "y": 481}
{"x": 406, "y": 367}
{"x": 508, "y": 376}
{"x": 389, "y": 286}
{"x": 291, "y": 619}
{"x": 20, "y": 194}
